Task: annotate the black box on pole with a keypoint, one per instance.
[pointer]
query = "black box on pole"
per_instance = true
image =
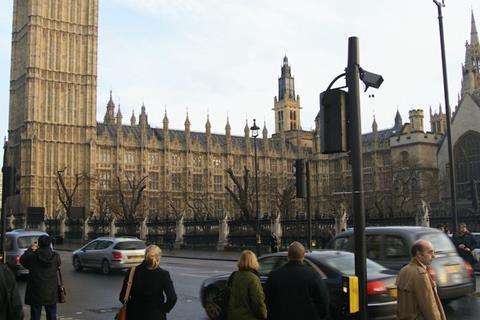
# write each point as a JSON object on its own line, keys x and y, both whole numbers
{"x": 333, "y": 121}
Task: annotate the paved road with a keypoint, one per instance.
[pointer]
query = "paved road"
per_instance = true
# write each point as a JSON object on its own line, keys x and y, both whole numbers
{"x": 93, "y": 296}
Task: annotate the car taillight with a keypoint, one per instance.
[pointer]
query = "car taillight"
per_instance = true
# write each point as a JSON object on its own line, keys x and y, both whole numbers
{"x": 17, "y": 260}
{"x": 376, "y": 287}
{"x": 432, "y": 274}
{"x": 469, "y": 269}
{"x": 117, "y": 255}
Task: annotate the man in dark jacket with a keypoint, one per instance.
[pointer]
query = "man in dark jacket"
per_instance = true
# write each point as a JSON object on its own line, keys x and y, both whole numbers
{"x": 465, "y": 243}
{"x": 11, "y": 307}
{"x": 296, "y": 291}
{"x": 42, "y": 285}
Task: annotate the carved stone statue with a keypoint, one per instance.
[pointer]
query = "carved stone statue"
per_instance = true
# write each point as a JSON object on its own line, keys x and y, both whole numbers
{"x": 223, "y": 233}
{"x": 144, "y": 229}
{"x": 341, "y": 219}
{"x": 422, "y": 216}
{"x": 113, "y": 227}
{"x": 180, "y": 233}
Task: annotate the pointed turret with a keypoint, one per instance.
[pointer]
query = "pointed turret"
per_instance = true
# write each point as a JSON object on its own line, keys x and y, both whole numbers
{"x": 133, "y": 120}
{"x": 110, "y": 113}
{"x": 208, "y": 126}
{"x": 473, "y": 32}
{"x": 187, "y": 123}
{"x": 165, "y": 121}
{"x": 143, "y": 118}
{"x": 374, "y": 125}
{"x": 228, "y": 129}
{"x": 265, "y": 131}
{"x": 398, "y": 122}
{"x": 119, "y": 117}
{"x": 246, "y": 129}
{"x": 471, "y": 68}
{"x": 287, "y": 105}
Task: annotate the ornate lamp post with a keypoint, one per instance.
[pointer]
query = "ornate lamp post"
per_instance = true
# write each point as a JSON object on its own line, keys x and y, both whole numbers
{"x": 451, "y": 163}
{"x": 258, "y": 240}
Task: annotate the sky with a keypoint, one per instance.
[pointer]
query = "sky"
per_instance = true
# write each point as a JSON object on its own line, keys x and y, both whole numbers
{"x": 223, "y": 57}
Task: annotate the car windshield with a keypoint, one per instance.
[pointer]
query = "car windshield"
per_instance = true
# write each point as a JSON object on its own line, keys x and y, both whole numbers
{"x": 345, "y": 264}
{"x": 440, "y": 242}
{"x": 26, "y": 241}
{"x": 130, "y": 245}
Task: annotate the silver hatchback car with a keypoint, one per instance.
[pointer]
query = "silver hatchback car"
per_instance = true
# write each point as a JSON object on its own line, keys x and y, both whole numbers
{"x": 107, "y": 253}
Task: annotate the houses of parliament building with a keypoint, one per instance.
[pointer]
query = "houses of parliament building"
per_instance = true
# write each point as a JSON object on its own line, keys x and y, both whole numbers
{"x": 53, "y": 125}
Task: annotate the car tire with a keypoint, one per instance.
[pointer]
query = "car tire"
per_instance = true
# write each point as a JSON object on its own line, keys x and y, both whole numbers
{"x": 77, "y": 265}
{"x": 105, "y": 267}
{"x": 212, "y": 309}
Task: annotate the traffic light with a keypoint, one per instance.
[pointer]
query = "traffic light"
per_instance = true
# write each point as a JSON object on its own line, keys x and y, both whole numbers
{"x": 334, "y": 121}
{"x": 300, "y": 178}
{"x": 11, "y": 181}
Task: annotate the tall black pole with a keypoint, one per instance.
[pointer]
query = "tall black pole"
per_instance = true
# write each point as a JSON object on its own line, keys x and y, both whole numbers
{"x": 353, "y": 75}
{"x": 5, "y": 185}
{"x": 451, "y": 163}
{"x": 309, "y": 214}
{"x": 258, "y": 238}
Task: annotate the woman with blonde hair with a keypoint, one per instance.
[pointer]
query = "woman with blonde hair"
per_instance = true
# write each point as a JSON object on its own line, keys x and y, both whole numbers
{"x": 247, "y": 301}
{"x": 152, "y": 294}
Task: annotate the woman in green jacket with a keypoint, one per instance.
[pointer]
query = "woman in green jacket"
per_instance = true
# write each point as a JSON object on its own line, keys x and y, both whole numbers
{"x": 247, "y": 301}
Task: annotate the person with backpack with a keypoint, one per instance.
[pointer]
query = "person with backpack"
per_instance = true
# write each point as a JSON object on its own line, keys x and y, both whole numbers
{"x": 11, "y": 307}
{"x": 246, "y": 300}
{"x": 42, "y": 284}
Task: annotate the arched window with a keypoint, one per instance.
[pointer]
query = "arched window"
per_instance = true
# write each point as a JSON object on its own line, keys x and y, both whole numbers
{"x": 467, "y": 158}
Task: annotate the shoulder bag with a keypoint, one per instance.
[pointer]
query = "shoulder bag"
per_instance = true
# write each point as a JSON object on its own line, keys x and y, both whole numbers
{"x": 122, "y": 313}
{"x": 62, "y": 293}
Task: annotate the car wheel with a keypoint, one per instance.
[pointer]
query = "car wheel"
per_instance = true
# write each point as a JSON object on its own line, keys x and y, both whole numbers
{"x": 76, "y": 264}
{"x": 213, "y": 310}
{"x": 105, "y": 267}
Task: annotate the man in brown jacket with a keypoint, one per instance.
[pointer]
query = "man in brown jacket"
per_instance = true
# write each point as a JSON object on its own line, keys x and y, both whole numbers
{"x": 417, "y": 292}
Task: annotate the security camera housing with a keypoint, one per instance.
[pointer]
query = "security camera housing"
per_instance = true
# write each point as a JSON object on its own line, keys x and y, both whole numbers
{"x": 371, "y": 79}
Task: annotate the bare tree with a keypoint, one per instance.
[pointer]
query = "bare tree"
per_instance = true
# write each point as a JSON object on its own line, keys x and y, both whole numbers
{"x": 65, "y": 194}
{"x": 178, "y": 210}
{"x": 243, "y": 198}
{"x": 200, "y": 208}
{"x": 130, "y": 199}
{"x": 285, "y": 198}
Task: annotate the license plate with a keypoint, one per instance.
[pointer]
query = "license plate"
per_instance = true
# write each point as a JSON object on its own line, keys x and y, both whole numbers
{"x": 453, "y": 268}
{"x": 393, "y": 292}
{"x": 136, "y": 258}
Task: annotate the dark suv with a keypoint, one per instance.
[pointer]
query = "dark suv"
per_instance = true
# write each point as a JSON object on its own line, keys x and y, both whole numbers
{"x": 390, "y": 246}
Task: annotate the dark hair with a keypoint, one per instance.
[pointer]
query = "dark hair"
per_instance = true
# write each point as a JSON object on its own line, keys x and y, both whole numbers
{"x": 44, "y": 241}
{"x": 417, "y": 247}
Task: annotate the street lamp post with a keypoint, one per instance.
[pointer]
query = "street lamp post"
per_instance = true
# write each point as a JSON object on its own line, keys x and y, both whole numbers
{"x": 451, "y": 163}
{"x": 258, "y": 239}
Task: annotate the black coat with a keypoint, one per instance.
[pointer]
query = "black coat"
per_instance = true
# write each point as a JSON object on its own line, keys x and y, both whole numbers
{"x": 148, "y": 292}
{"x": 468, "y": 240}
{"x": 11, "y": 307}
{"x": 296, "y": 291}
{"x": 42, "y": 283}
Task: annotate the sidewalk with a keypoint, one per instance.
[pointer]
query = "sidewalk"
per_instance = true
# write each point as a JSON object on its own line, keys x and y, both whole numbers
{"x": 200, "y": 254}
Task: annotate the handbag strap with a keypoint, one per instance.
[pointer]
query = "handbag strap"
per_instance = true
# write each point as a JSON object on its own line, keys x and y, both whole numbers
{"x": 60, "y": 276}
{"x": 129, "y": 285}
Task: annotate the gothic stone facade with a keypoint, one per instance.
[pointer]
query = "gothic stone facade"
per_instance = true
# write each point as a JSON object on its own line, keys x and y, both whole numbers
{"x": 52, "y": 126}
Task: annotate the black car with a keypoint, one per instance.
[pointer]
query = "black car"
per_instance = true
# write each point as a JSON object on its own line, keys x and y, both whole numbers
{"x": 331, "y": 265}
{"x": 390, "y": 247}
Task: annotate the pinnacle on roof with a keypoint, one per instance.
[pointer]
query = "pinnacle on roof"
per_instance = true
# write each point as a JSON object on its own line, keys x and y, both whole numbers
{"x": 187, "y": 121}
{"x": 165, "y": 118}
{"x": 227, "y": 126}
{"x": 473, "y": 32}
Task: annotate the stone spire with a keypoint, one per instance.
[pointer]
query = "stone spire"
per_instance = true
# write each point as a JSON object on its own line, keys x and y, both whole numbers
{"x": 133, "y": 120}
{"x": 471, "y": 68}
{"x": 228, "y": 129}
{"x": 208, "y": 126}
{"x": 165, "y": 121}
{"x": 143, "y": 118}
{"x": 265, "y": 131}
{"x": 119, "y": 117}
{"x": 374, "y": 125}
{"x": 398, "y": 122}
{"x": 110, "y": 113}
{"x": 187, "y": 124}
{"x": 246, "y": 130}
